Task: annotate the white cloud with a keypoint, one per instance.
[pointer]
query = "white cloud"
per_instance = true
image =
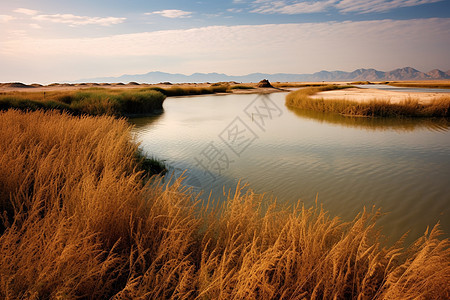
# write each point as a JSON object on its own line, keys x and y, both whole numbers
{"x": 6, "y": 18}
{"x": 35, "y": 26}
{"x": 271, "y": 48}
{"x": 344, "y": 6}
{"x": 172, "y": 13}
{"x": 364, "y": 6}
{"x": 74, "y": 20}
{"x": 69, "y": 19}
{"x": 297, "y": 7}
{"x": 282, "y": 46}
{"x": 235, "y": 10}
{"x": 26, "y": 11}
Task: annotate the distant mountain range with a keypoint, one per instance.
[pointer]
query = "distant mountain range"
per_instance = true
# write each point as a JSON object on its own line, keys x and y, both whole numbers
{"x": 407, "y": 73}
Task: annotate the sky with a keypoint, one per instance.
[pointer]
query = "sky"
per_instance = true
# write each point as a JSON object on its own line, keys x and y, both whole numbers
{"x": 44, "y": 41}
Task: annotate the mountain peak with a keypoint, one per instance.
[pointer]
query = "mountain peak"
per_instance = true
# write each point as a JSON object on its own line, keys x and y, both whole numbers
{"x": 362, "y": 74}
{"x": 436, "y": 74}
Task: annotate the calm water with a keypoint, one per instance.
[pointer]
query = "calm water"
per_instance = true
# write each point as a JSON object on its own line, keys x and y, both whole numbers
{"x": 402, "y": 166}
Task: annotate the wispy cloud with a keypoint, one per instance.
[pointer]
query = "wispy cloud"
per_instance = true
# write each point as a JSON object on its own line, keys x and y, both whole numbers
{"x": 74, "y": 20}
{"x": 69, "y": 19}
{"x": 295, "y": 48}
{"x": 352, "y": 42}
{"x": 6, "y": 18}
{"x": 26, "y": 11}
{"x": 235, "y": 10}
{"x": 364, "y": 6}
{"x": 291, "y": 7}
{"x": 172, "y": 13}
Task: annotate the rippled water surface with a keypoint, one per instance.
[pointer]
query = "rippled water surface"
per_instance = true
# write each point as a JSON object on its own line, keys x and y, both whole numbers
{"x": 401, "y": 166}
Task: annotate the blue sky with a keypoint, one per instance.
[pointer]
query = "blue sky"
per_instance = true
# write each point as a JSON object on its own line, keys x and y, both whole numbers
{"x": 49, "y": 41}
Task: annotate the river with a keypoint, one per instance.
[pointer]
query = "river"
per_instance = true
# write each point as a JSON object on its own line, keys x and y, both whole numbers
{"x": 400, "y": 166}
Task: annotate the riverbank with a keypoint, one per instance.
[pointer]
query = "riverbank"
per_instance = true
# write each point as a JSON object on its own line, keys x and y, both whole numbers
{"x": 431, "y": 84}
{"x": 111, "y": 99}
{"x": 350, "y": 101}
{"x": 367, "y": 94}
{"x": 91, "y": 101}
{"x": 80, "y": 221}
{"x": 220, "y": 87}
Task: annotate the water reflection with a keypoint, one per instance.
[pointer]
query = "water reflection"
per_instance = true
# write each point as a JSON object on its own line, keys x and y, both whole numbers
{"x": 377, "y": 124}
{"x": 141, "y": 122}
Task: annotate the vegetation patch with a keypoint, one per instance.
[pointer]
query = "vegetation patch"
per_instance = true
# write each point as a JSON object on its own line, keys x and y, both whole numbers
{"x": 92, "y": 101}
{"x": 409, "y": 108}
{"x": 297, "y": 84}
{"x": 421, "y": 84}
{"x": 241, "y": 87}
{"x": 188, "y": 91}
{"x": 79, "y": 221}
{"x": 150, "y": 165}
{"x": 361, "y": 83}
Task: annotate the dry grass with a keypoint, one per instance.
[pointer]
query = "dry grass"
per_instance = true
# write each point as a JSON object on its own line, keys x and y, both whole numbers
{"x": 80, "y": 223}
{"x": 296, "y": 84}
{"x": 444, "y": 84}
{"x": 242, "y": 87}
{"x": 375, "y": 108}
{"x": 189, "y": 91}
{"x": 360, "y": 82}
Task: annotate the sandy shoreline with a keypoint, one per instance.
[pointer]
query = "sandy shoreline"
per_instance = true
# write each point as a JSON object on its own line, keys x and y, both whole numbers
{"x": 365, "y": 95}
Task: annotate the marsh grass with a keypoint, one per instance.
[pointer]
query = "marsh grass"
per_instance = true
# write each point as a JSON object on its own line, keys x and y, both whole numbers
{"x": 103, "y": 100}
{"x": 79, "y": 222}
{"x": 421, "y": 84}
{"x": 297, "y": 84}
{"x": 150, "y": 165}
{"x": 93, "y": 101}
{"x": 361, "y": 82}
{"x": 375, "y": 108}
{"x": 187, "y": 91}
{"x": 241, "y": 87}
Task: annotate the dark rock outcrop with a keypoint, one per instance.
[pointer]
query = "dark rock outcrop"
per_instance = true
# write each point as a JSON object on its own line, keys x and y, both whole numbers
{"x": 264, "y": 84}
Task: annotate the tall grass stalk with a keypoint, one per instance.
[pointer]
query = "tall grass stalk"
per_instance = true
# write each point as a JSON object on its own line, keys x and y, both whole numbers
{"x": 78, "y": 221}
{"x": 375, "y": 108}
